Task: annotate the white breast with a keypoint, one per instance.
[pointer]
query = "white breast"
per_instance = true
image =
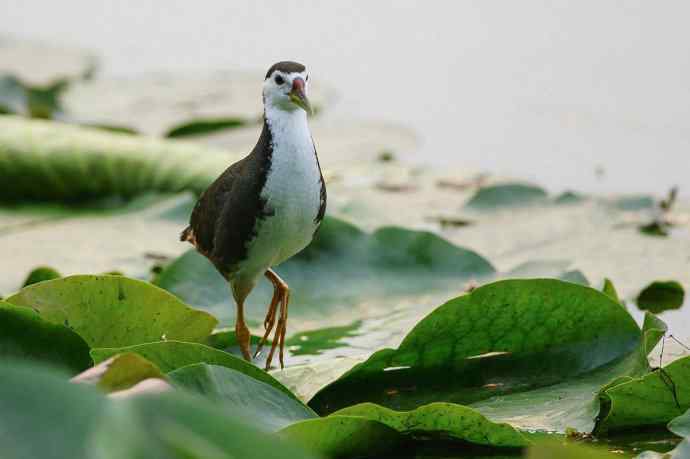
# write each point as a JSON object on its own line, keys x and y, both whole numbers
{"x": 292, "y": 192}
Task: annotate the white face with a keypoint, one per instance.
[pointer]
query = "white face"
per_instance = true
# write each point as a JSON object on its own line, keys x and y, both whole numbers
{"x": 277, "y": 89}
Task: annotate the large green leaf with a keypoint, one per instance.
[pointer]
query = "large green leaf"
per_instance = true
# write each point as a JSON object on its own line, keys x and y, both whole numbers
{"x": 42, "y": 415}
{"x": 25, "y": 334}
{"x": 651, "y": 400}
{"x": 53, "y": 162}
{"x": 508, "y": 337}
{"x": 271, "y": 408}
{"x": 113, "y": 311}
{"x": 341, "y": 271}
{"x": 171, "y": 355}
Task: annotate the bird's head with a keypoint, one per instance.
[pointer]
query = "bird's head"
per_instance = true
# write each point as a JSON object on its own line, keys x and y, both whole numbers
{"x": 285, "y": 87}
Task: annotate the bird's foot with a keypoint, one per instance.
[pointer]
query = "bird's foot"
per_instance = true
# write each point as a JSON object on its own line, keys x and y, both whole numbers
{"x": 281, "y": 330}
{"x": 270, "y": 320}
{"x": 281, "y": 297}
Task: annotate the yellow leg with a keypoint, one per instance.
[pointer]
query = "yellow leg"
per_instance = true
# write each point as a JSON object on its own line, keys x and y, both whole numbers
{"x": 242, "y": 333}
{"x": 281, "y": 296}
{"x": 241, "y": 330}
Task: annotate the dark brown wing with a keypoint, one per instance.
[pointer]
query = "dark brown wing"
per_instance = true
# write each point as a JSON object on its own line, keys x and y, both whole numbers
{"x": 224, "y": 219}
{"x": 202, "y": 223}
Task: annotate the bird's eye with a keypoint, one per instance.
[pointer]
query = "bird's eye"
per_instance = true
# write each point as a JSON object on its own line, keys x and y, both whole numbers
{"x": 279, "y": 80}
{"x": 307, "y": 79}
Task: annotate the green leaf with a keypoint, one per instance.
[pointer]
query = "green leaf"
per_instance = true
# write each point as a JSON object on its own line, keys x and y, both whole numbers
{"x": 651, "y": 400}
{"x": 506, "y": 196}
{"x": 45, "y": 416}
{"x": 114, "y": 311}
{"x": 442, "y": 420}
{"x": 179, "y": 427}
{"x": 119, "y": 372}
{"x": 24, "y": 334}
{"x": 270, "y": 408}
{"x": 36, "y": 101}
{"x": 378, "y": 269}
{"x": 40, "y": 274}
{"x": 610, "y": 290}
{"x": 660, "y": 296}
{"x": 508, "y": 337}
{"x": 205, "y": 126}
{"x": 171, "y": 355}
{"x": 58, "y": 162}
{"x": 343, "y": 436}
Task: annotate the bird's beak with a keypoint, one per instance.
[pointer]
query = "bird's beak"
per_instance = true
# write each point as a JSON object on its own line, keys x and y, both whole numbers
{"x": 298, "y": 97}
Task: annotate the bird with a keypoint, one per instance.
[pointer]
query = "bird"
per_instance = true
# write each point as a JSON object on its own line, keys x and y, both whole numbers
{"x": 266, "y": 207}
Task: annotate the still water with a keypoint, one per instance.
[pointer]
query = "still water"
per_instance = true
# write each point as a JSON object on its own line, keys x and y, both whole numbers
{"x": 587, "y": 95}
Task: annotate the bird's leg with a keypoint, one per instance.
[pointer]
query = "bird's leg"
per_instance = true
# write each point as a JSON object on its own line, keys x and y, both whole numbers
{"x": 281, "y": 329}
{"x": 271, "y": 314}
{"x": 241, "y": 330}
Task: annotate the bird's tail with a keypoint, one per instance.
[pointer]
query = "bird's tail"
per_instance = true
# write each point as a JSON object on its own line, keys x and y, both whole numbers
{"x": 187, "y": 234}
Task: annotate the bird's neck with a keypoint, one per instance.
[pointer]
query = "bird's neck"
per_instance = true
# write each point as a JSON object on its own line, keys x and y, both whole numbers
{"x": 289, "y": 129}
{"x": 287, "y": 125}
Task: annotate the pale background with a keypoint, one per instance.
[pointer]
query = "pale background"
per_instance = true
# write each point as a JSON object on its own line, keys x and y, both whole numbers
{"x": 548, "y": 91}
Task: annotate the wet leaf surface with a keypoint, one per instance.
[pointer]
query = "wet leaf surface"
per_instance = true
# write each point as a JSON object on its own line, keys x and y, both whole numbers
{"x": 112, "y": 311}
{"x": 485, "y": 345}
{"x": 270, "y": 408}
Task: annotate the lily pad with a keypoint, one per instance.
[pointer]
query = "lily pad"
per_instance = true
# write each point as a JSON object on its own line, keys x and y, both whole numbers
{"x": 661, "y": 296}
{"x": 171, "y": 355}
{"x": 113, "y": 311}
{"x": 271, "y": 409}
{"x": 35, "y": 403}
{"x": 54, "y": 162}
{"x": 505, "y": 196}
{"x": 382, "y": 267}
{"x": 25, "y": 334}
{"x": 205, "y": 126}
{"x": 119, "y": 372}
{"x": 508, "y": 337}
{"x": 444, "y": 420}
{"x": 651, "y": 400}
